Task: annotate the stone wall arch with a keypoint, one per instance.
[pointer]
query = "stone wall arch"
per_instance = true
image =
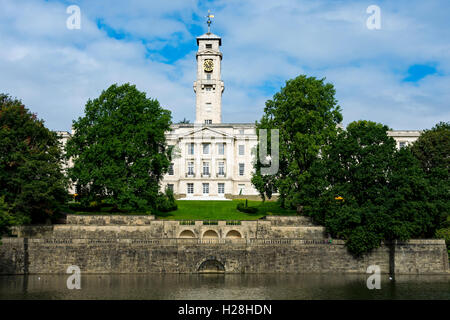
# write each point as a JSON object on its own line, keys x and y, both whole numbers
{"x": 211, "y": 234}
{"x": 187, "y": 234}
{"x": 234, "y": 234}
{"x": 211, "y": 265}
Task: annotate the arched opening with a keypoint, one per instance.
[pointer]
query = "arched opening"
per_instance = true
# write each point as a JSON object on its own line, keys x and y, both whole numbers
{"x": 211, "y": 266}
{"x": 234, "y": 234}
{"x": 187, "y": 234}
{"x": 210, "y": 234}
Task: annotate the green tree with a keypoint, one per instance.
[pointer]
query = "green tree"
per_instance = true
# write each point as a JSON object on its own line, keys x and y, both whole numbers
{"x": 32, "y": 181}
{"x": 306, "y": 114}
{"x": 119, "y": 149}
{"x": 432, "y": 149}
{"x": 375, "y": 193}
{"x": 6, "y": 219}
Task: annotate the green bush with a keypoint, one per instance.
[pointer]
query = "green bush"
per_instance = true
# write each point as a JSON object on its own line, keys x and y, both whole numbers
{"x": 444, "y": 233}
{"x": 94, "y": 206}
{"x": 75, "y": 206}
{"x": 166, "y": 202}
{"x": 244, "y": 208}
{"x": 6, "y": 219}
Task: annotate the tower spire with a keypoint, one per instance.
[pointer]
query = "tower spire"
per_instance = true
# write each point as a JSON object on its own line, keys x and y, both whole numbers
{"x": 209, "y": 16}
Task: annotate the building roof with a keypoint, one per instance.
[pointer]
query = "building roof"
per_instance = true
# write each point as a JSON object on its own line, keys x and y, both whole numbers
{"x": 209, "y": 36}
{"x": 212, "y": 125}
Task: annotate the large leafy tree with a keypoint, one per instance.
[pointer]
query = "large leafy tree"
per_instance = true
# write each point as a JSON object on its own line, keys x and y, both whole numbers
{"x": 306, "y": 114}
{"x": 432, "y": 149}
{"x": 33, "y": 187}
{"x": 375, "y": 193}
{"x": 119, "y": 149}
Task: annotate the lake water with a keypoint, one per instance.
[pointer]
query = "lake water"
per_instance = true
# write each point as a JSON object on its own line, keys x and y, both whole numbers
{"x": 223, "y": 286}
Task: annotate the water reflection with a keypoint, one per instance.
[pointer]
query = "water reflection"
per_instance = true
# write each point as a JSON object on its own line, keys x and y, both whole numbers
{"x": 223, "y": 286}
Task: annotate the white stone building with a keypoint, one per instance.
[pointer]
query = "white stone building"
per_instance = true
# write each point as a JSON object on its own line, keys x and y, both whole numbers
{"x": 214, "y": 160}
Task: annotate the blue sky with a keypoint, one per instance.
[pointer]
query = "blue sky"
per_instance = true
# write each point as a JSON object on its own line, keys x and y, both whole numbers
{"x": 398, "y": 75}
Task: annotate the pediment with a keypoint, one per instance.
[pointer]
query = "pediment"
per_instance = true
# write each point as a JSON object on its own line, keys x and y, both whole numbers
{"x": 206, "y": 133}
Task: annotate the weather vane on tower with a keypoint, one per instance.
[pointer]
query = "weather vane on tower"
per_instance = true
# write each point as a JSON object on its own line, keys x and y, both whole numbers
{"x": 209, "y": 16}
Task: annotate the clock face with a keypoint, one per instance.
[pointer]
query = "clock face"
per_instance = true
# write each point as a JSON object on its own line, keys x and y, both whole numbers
{"x": 208, "y": 65}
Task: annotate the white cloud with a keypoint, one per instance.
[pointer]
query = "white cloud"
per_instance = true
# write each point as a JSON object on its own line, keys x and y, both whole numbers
{"x": 55, "y": 70}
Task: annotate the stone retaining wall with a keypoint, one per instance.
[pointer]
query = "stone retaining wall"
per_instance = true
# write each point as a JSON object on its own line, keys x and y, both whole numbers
{"x": 142, "y": 244}
{"x": 36, "y": 256}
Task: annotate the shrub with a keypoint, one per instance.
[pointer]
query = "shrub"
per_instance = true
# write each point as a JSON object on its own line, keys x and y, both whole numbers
{"x": 166, "y": 202}
{"x": 75, "y": 206}
{"x": 6, "y": 219}
{"x": 444, "y": 233}
{"x": 243, "y": 208}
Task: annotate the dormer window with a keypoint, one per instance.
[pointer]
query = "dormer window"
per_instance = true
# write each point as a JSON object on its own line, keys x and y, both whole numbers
{"x": 208, "y": 46}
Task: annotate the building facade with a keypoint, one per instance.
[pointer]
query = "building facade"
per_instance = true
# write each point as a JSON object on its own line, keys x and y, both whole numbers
{"x": 212, "y": 160}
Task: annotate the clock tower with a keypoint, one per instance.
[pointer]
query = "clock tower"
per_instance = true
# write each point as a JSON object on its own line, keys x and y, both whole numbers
{"x": 209, "y": 87}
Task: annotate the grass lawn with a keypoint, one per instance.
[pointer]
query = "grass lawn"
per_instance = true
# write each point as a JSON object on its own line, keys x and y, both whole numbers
{"x": 222, "y": 210}
{"x": 215, "y": 210}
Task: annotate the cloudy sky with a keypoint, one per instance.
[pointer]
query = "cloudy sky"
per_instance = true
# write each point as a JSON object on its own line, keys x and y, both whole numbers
{"x": 398, "y": 75}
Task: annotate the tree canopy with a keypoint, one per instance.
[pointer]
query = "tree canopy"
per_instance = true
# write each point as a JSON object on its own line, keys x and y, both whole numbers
{"x": 432, "y": 149}
{"x": 33, "y": 187}
{"x": 119, "y": 149}
{"x": 354, "y": 181}
{"x": 375, "y": 192}
{"x": 306, "y": 114}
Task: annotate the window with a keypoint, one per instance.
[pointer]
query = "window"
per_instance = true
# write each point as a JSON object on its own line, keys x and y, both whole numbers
{"x": 221, "y": 188}
{"x": 191, "y": 148}
{"x": 208, "y": 46}
{"x": 190, "y": 188}
{"x": 241, "y": 131}
{"x": 205, "y": 188}
{"x": 402, "y": 144}
{"x": 221, "y": 148}
{"x": 221, "y": 168}
{"x": 170, "y": 187}
{"x": 208, "y": 88}
{"x": 241, "y": 188}
{"x": 241, "y": 149}
{"x": 208, "y": 121}
{"x": 206, "y": 146}
{"x": 171, "y": 169}
{"x": 208, "y": 76}
{"x": 208, "y": 107}
{"x": 191, "y": 168}
{"x": 241, "y": 169}
{"x": 206, "y": 168}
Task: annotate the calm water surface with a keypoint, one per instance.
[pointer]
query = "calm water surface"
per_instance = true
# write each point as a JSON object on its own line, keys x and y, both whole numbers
{"x": 220, "y": 286}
